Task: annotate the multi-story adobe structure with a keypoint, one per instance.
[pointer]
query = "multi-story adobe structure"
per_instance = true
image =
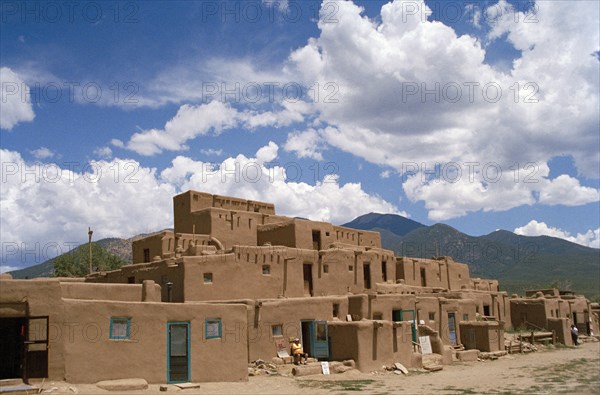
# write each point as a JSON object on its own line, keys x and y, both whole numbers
{"x": 552, "y": 308}
{"x": 231, "y": 284}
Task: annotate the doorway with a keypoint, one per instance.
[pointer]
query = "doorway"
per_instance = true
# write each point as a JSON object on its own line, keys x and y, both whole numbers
{"x": 486, "y": 310}
{"x": 315, "y": 339}
{"x": 452, "y": 328}
{"x": 316, "y": 239}
{"x": 367, "y": 275}
{"x": 178, "y": 352}
{"x": 24, "y": 347}
{"x": 308, "y": 279}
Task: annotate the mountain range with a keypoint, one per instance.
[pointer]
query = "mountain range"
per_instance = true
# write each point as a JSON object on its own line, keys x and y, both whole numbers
{"x": 518, "y": 262}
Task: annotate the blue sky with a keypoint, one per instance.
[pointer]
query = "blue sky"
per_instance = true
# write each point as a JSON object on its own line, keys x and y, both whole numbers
{"x": 481, "y": 115}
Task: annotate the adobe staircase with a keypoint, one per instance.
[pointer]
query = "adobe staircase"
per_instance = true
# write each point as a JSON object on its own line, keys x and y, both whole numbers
{"x": 16, "y": 387}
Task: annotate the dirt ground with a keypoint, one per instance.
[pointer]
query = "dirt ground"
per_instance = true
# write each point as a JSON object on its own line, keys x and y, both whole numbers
{"x": 548, "y": 371}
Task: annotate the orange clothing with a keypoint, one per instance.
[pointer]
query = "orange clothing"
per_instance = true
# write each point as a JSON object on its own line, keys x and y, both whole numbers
{"x": 297, "y": 349}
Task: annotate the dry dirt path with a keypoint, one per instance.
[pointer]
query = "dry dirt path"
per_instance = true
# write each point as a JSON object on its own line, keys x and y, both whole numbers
{"x": 551, "y": 371}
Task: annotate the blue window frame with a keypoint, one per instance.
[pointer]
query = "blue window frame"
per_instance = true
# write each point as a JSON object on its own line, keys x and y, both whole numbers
{"x": 212, "y": 328}
{"x": 119, "y": 328}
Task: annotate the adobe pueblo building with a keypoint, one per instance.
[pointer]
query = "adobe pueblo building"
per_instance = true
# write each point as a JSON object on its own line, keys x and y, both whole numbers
{"x": 234, "y": 282}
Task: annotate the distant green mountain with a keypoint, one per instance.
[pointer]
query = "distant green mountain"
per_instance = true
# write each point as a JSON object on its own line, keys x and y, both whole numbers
{"x": 395, "y": 224}
{"x": 106, "y": 253}
{"x": 518, "y": 262}
{"x": 115, "y": 247}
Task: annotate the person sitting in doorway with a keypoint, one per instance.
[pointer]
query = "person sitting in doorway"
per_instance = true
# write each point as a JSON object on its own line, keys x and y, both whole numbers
{"x": 298, "y": 353}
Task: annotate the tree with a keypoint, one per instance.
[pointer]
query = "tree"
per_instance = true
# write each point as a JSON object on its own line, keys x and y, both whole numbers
{"x": 75, "y": 263}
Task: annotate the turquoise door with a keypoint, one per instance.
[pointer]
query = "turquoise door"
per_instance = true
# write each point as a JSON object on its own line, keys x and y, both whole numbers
{"x": 319, "y": 344}
{"x": 452, "y": 328}
{"x": 178, "y": 352}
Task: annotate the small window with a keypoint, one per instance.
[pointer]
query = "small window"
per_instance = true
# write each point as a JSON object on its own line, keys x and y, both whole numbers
{"x": 146, "y": 254}
{"x": 208, "y": 278}
{"x": 378, "y": 316}
{"x": 266, "y": 269}
{"x": 131, "y": 280}
{"x": 277, "y": 330}
{"x": 119, "y": 328}
{"x": 431, "y": 316}
{"x": 212, "y": 328}
{"x": 325, "y": 268}
{"x": 336, "y": 310}
{"x": 326, "y": 233}
{"x": 465, "y": 317}
{"x": 460, "y": 276}
{"x": 350, "y": 268}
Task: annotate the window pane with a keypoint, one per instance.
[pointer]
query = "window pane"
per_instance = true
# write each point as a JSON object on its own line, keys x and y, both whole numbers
{"x": 119, "y": 328}
{"x": 277, "y": 330}
{"x": 213, "y": 328}
{"x": 178, "y": 340}
{"x": 321, "y": 331}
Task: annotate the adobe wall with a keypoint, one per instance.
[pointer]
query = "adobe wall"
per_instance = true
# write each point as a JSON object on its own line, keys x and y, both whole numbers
{"x": 277, "y": 234}
{"x": 486, "y": 285}
{"x": 562, "y": 328}
{"x": 271, "y": 271}
{"x": 497, "y": 304}
{"x": 524, "y": 311}
{"x": 264, "y": 314}
{"x": 304, "y": 234}
{"x": 487, "y": 336}
{"x": 218, "y": 216}
{"x": 310, "y": 234}
{"x": 382, "y": 306}
{"x": 231, "y": 228}
{"x": 21, "y": 298}
{"x": 437, "y": 273}
{"x": 541, "y": 308}
{"x": 356, "y": 237}
{"x": 157, "y": 245}
{"x": 344, "y": 340}
{"x": 463, "y": 310}
{"x": 239, "y": 275}
{"x": 91, "y": 356}
{"x": 161, "y": 272}
{"x": 192, "y": 201}
{"x": 121, "y": 292}
{"x": 545, "y": 292}
{"x": 370, "y": 344}
{"x": 580, "y": 312}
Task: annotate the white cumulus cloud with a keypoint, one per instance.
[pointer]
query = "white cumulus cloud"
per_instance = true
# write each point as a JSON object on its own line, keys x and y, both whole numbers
{"x": 591, "y": 238}
{"x": 52, "y": 205}
{"x": 411, "y": 91}
{"x": 42, "y": 153}
{"x": 16, "y": 107}
{"x": 192, "y": 121}
{"x": 305, "y": 144}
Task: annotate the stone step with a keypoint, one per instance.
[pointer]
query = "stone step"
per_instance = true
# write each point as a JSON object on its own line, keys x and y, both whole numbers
{"x": 10, "y": 382}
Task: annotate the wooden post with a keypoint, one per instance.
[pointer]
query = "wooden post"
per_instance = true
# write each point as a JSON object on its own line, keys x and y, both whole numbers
{"x": 90, "y": 232}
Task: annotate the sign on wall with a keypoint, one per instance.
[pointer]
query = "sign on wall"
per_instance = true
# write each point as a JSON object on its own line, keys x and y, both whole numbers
{"x": 425, "y": 345}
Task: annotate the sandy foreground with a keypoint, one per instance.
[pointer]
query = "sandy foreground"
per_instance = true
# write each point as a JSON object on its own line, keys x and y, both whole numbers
{"x": 548, "y": 371}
